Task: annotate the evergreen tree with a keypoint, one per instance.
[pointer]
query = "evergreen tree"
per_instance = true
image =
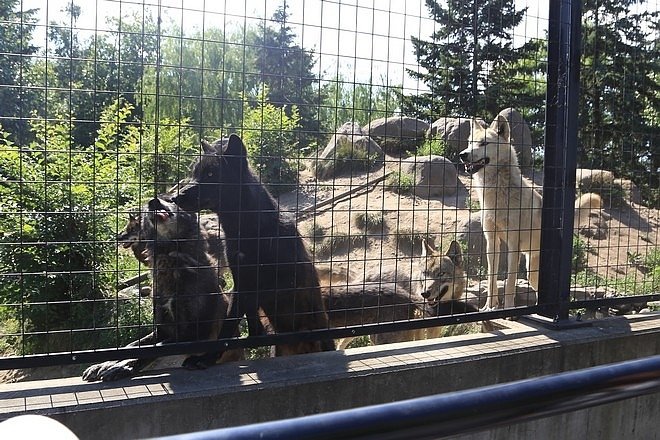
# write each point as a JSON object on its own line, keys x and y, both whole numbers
{"x": 620, "y": 92}
{"x": 287, "y": 70}
{"x": 16, "y": 100}
{"x": 471, "y": 39}
{"x": 521, "y": 84}
{"x": 86, "y": 76}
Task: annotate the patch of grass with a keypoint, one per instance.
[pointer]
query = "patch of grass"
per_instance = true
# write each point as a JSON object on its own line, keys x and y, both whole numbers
{"x": 369, "y": 221}
{"x": 432, "y": 147}
{"x": 348, "y": 158}
{"x": 587, "y": 277}
{"x": 409, "y": 241}
{"x": 360, "y": 341}
{"x": 338, "y": 243}
{"x": 314, "y": 231}
{"x": 400, "y": 183}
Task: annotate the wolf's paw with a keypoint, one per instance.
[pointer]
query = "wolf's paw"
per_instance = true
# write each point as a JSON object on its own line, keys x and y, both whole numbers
{"x": 199, "y": 362}
{"x": 110, "y": 370}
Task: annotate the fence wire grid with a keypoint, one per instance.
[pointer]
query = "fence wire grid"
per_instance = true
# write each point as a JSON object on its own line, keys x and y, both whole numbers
{"x": 315, "y": 174}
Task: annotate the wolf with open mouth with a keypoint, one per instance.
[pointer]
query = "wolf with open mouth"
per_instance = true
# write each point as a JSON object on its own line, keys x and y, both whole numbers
{"x": 188, "y": 303}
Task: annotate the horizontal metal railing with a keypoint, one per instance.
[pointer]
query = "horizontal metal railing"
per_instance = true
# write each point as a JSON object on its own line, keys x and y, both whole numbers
{"x": 149, "y": 351}
{"x": 463, "y": 411}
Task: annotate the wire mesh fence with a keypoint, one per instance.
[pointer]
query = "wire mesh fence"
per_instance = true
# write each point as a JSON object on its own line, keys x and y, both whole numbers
{"x": 303, "y": 172}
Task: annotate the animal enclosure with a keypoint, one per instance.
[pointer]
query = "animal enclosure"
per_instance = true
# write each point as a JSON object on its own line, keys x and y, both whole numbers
{"x": 430, "y": 164}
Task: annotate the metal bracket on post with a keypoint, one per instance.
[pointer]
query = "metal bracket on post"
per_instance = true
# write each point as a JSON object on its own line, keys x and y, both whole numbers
{"x": 560, "y": 158}
{"x": 556, "y": 323}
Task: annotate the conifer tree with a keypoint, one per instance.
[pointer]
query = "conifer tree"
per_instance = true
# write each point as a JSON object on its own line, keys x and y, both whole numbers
{"x": 472, "y": 38}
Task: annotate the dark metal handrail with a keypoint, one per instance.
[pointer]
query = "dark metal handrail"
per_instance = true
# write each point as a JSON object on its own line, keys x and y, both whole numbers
{"x": 463, "y": 411}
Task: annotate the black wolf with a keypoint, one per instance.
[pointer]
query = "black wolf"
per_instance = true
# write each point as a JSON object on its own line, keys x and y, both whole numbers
{"x": 188, "y": 302}
{"x": 271, "y": 268}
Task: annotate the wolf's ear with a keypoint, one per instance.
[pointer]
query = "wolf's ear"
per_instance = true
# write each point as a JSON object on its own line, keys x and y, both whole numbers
{"x": 454, "y": 253}
{"x": 235, "y": 147}
{"x": 501, "y": 125}
{"x": 427, "y": 249}
{"x": 207, "y": 148}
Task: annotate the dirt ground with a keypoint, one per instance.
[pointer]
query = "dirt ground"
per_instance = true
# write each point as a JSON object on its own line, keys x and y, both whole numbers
{"x": 625, "y": 232}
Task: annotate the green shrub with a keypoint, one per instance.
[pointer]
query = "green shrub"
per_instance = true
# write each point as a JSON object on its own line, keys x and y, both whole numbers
{"x": 60, "y": 207}
{"x": 579, "y": 262}
{"x": 369, "y": 221}
{"x": 401, "y": 183}
{"x": 350, "y": 156}
{"x": 56, "y": 223}
{"x": 432, "y": 147}
{"x": 269, "y": 134}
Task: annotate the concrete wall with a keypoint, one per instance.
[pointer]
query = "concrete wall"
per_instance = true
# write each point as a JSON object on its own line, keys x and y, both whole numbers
{"x": 179, "y": 401}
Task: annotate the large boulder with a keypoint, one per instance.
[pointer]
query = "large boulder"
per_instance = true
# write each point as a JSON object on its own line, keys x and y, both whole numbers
{"x": 455, "y": 132}
{"x": 397, "y": 134}
{"x": 521, "y": 138}
{"x": 433, "y": 176}
{"x": 349, "y": 150}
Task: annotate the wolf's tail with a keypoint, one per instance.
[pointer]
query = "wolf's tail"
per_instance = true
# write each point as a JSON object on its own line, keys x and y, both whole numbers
{"x": 586, "y": 203}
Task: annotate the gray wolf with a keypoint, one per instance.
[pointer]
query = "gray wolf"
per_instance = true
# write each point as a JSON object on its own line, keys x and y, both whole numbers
{"x": 432, "y": 286}
{"x": 510, "y": 206}
{"x": 270, "y": 265}
{"x": 132, "y": 236}
{"x": 187, "y": 300}
{"x": 434, "y": 276}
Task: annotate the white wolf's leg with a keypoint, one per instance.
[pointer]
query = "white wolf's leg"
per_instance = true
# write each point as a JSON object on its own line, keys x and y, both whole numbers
{"x": 493, "y": 258}
{"x": 513, "y": 261}
{"x": 533, "y": 269}
{"x": 344, "y": 342}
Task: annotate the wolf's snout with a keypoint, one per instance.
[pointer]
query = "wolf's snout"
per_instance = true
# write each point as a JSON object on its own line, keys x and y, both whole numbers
{"x": 154, "y": 204}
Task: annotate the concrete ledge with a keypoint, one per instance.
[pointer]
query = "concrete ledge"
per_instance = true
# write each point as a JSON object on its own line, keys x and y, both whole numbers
{"x": 178, "y": 401}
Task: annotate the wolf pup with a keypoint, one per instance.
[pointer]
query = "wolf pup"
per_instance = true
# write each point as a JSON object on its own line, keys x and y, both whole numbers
{"x": 133, "y": 237}
{"x": 188, "y": 303}
{"x": 271, "y": 268}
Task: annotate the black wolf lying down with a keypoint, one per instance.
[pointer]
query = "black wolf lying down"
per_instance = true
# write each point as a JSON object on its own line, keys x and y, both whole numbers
{"x": 187, "y": 300}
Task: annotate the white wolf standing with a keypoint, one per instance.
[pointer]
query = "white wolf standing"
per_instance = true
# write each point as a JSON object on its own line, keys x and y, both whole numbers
{"x": 510, "y": 207}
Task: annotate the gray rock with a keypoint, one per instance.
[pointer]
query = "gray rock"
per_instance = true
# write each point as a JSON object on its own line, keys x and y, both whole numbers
{"x": 349, "y": 150}
{"x": 521, "y": 138}
{"x": 396, "y": 134}
{"x": 434, "y": 176}
{"x": 454, "y": 131}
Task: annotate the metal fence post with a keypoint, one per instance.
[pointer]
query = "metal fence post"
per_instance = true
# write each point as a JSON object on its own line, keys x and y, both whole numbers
{"x": 560, "y": 157}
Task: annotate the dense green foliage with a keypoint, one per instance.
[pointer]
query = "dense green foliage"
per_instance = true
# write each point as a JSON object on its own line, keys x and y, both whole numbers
{"x": 269, "y": 134}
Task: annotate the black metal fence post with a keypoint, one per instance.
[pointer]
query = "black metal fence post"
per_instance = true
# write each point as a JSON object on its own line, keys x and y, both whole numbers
{"x": 560, "y": 157}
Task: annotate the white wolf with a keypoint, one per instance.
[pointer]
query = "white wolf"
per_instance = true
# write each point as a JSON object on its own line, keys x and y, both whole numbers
{"x": 510, "y": 206}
